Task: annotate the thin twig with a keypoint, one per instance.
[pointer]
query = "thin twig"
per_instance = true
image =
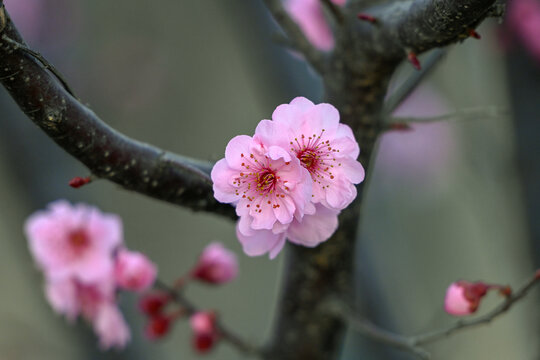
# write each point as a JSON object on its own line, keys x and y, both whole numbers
{"x": 42, "y": 60}
{"x": 414, "y": 80}
{"x": 463, "y": 114}
{"x": 190, "y": 309}
{"x": 414, "y": 343}
{"x": 335, "y": 11}
{"x": 297, "y": 36}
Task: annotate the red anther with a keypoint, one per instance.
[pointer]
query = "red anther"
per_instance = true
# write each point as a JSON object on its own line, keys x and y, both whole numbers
{"x": 411, "y": 56}
{"x": 474, "y": 34}
{"x": 400, "y": 127}
{"x": 78, "y": 181}
{"x": 366, "y": 17}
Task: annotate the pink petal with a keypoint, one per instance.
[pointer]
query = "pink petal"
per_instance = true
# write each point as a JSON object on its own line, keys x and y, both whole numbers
{"x": 314, "y": 229}
{"x": 223, "y": 177}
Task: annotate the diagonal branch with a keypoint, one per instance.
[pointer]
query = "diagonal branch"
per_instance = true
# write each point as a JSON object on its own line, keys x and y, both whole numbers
{"x": 315, "y": 57}
{"x": 190, "y": 309}
{"x": 414, "y": 343}
{"x": 107, "y": 153}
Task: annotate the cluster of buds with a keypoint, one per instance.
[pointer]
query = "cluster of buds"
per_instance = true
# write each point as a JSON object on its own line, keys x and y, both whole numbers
{"x": 463, "y": 297}
{"x": 215, "y": 266}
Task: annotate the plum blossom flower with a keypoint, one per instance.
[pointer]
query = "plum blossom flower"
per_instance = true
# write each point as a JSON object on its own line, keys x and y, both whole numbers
{"x": 76, "y": 246}
{"x": 216, "y": 265}
{"x": 310, "y": 17}
{"x": 327, "y": 149}
{"x": 268, "y": 186}
{"x": 73, "y": 241}
{"x": 463, "y": 297}
{"x": 110, "y": 326}
{"x": 300, "y": 173}
{"x": 205, "y": 332}
{"x": 134, "y": 271}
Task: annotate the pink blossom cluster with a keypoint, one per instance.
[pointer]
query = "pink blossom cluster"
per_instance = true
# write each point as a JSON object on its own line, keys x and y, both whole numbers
{"x": 463, "y": 297}
{"x": 80, "y": 251}
{"x": 523, "y": 18}
{"x": 291, "y": 179}
{"x": 309, "y": 15}
{"x": 216, "y": 265}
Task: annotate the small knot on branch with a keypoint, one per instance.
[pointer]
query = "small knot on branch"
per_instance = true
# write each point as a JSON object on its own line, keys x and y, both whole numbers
{"x": 474, "y": 34}
{"x": 413, "y": 59}
{"x": 367, "y": 18}
{"x": 78, "y": 181}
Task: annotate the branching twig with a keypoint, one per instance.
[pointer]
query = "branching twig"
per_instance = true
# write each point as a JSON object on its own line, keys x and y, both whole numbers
{"x": 463, "y": 114}
{"x": 293, "y": 31}
{"x": 405, "y": 89}
{"x": 414, "y": 343}
{"x": 190, "y": 309}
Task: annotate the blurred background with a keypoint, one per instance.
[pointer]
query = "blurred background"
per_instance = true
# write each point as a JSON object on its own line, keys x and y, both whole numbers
{"x": 448, "y": 201}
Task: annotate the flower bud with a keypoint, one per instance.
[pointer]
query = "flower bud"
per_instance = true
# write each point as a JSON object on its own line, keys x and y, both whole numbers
{"x": 153, "y": 303}
{"x": 463, "y": 297}
{"x": 205, "y": 332}
{"x": 216, "y": 265}
{"x": 158, "y": 326}
{"x": 133, "y": 271}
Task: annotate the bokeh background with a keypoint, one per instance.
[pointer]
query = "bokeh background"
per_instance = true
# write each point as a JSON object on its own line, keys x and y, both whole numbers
{"x": 447, "y": 201}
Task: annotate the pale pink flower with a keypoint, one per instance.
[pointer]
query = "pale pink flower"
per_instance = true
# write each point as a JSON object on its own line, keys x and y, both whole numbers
{"x": 110, "y": 326}
{"x": 134, "y": 271}
{"x": 524, "y": 19}
{"x": 327, "y": 149}
{"x": 266, "y": 184}
{"x": 216, "y": 265}
{"x": 205, "y": 332}
{"x": 463, "y": 297}
{"x": 310, "y": 17}
{"x": 73, "y": 240}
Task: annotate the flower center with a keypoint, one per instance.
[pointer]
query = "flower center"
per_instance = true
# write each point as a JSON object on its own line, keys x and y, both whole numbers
{"x": 78, "y": 240}
{"x": 308, "y": 158}
{"x": 266, "y": 181}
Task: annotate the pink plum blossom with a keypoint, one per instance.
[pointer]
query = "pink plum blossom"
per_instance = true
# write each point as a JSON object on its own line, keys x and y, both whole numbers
{"x": 216, "y": 265}
{"x": 134, "y": 271}
{"x": 463, "y": 297}
{"x": 205, "y": 332}
{"x": 524, "y": 20}
{"x": 266, "y": 184}
{"x": 310, "y": 17}
{"x": 327, "y": 149}
{"x": 73, "y": 240}
{"x": 111, "y": 328}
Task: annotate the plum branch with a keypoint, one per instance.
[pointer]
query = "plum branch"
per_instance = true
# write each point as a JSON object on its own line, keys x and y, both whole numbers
{"x": 189, "y": 309}
{"x": 107, "y": 153}
{"x": 414, "y": 343}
